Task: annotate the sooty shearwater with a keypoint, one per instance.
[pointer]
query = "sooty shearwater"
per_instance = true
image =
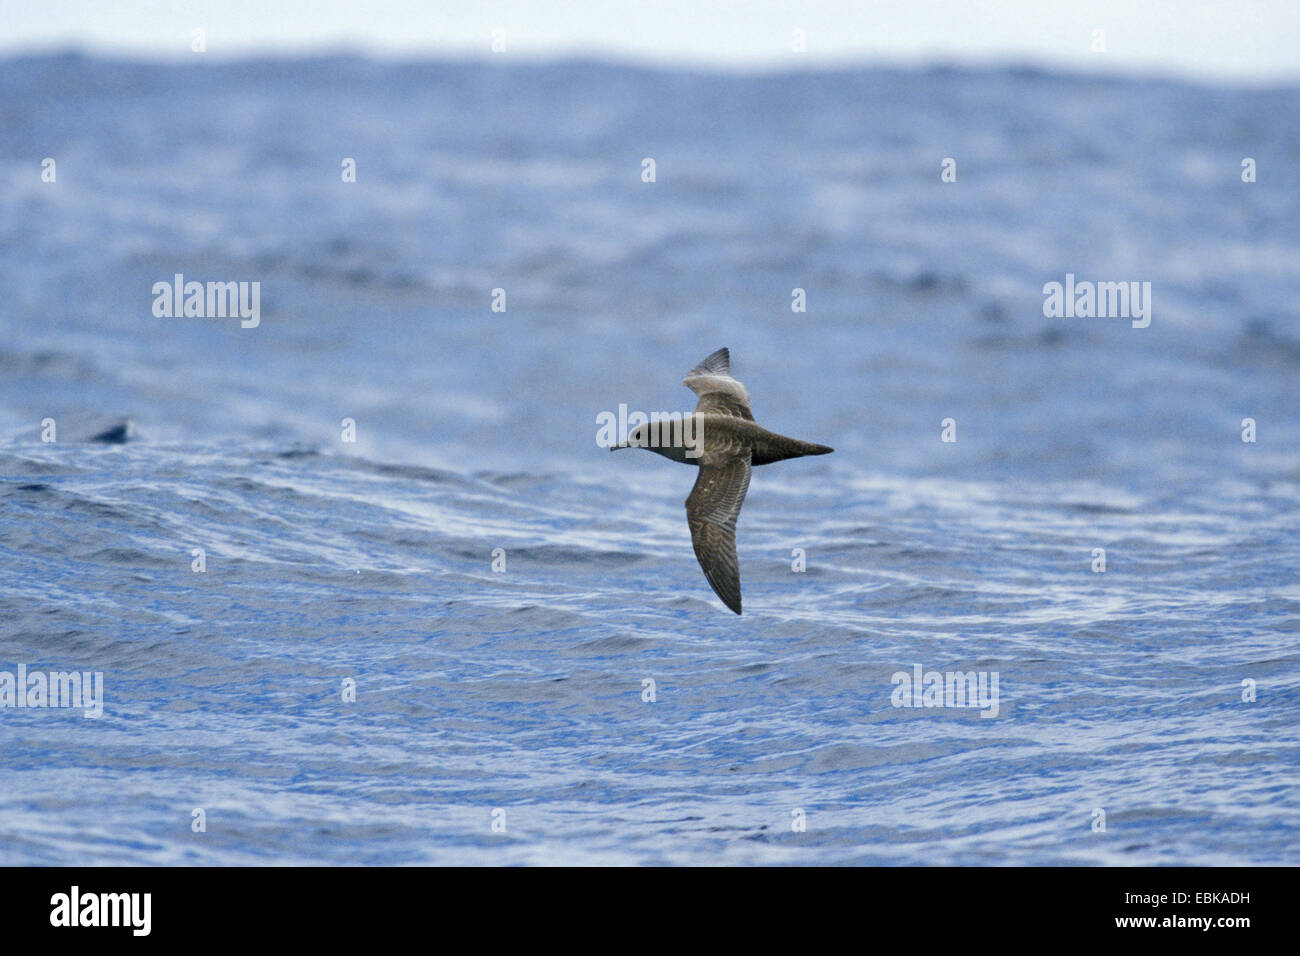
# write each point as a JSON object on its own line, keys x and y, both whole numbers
{"x": 723, "y": 440}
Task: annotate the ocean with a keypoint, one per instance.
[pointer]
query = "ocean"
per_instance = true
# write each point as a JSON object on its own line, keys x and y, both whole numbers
{"x": 362, "y": 586}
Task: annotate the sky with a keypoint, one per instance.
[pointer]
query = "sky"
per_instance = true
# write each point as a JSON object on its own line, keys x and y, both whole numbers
{"x": 1251, "y": 41}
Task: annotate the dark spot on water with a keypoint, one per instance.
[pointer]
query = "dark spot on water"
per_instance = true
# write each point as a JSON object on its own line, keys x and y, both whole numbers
{"x": 303, "y": 451}
{"x": 414, "y": 472}
{"x": 1086, "y": 507}
{"x": 403, "y": 280}
{"x": 508, "y": 480}
{"x": 925, "y": 282}
{"x": 113, "y": 435}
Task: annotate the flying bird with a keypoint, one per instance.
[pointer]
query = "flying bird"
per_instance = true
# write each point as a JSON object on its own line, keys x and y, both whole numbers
{"x": 723, "y": 440}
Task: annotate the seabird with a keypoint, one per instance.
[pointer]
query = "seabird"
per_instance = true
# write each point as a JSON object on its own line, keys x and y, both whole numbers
{"x": 724, "y": 443}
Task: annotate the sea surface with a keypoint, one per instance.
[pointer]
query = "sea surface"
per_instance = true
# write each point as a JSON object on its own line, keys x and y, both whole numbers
{"x": 474, "y": 636}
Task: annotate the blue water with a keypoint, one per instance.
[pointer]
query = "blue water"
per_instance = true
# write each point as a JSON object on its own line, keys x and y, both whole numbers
{"x": 520, "y": 690}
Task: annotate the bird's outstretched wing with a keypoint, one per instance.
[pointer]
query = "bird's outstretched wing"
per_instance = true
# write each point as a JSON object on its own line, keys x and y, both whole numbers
{"x": 719, "y": 393}
{"x": 711, "y": 511}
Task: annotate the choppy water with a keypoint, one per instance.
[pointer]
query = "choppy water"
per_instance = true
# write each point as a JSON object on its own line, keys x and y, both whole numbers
{"x": 522, "y": 691}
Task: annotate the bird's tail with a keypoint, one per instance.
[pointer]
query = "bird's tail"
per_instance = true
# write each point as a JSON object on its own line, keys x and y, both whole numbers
{"x": 773, "y": 447}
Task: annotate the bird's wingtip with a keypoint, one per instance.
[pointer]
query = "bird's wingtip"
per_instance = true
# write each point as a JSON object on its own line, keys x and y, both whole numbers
{"x": 717, "y": 362}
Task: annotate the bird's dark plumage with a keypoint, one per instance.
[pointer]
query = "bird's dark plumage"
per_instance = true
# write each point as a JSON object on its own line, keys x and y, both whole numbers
{"x": 730, "y": 443}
